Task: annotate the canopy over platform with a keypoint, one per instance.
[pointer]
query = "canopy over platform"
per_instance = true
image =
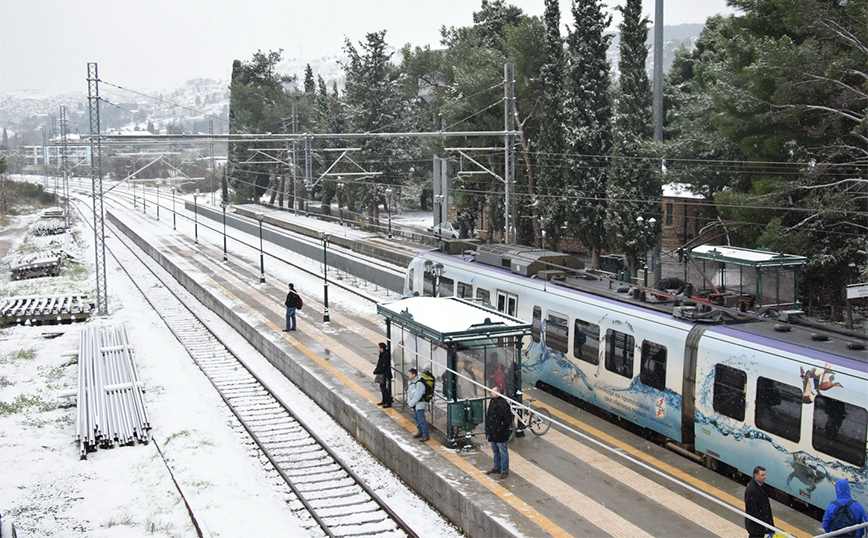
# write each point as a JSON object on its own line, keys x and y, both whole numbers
{"x": 450, "y": 319}
{"x": 467, "y": 347}
{"x": 745, "y": 277}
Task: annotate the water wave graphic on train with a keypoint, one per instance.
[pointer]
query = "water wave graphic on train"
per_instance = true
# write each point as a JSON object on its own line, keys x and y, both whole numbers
{"x": 737, "y": 392}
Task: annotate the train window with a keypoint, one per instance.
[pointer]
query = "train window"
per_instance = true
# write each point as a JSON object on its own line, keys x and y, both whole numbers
{"x": 778, "y": 408}
{"x": 729, "y": 392}
{"x": 586, "y": 341}
{"x": 464, "y": 290}
{"x": 428, "y": 284}
{"x": 507, "y": 303}
{"x": 411, "y": 275}
{"x": 652, "y": 368}
{"x": 536, "y": 323}
{"x": 483, "y": 295}
{"x": 557, "y": 332}
{"x": 619, "y": 352}
{"x": 446, "y": 287}
{"x": 840, "y": 430}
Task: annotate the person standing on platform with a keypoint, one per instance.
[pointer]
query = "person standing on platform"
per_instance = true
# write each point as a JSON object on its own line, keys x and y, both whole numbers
{"x": 415, "y": 402}
{"x": 498, "y": 420}
{"x": 291, "y": 303}
{"x": 383, "y": 375}
{"x": 844, "y": 511}
{"x": 756, "y": 504}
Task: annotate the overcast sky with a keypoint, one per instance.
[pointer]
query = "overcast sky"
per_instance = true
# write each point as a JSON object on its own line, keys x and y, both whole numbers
{"x": 46, "y": 44}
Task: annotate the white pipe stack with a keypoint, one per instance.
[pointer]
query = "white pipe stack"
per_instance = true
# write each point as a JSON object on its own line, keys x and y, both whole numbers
{"x": 111, "y": 408}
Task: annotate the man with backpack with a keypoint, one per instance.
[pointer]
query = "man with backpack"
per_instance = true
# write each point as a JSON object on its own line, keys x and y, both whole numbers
{"x": 416, "y": 402}
{"x": 844, "y": 512}
{"x": 293, "y": 302}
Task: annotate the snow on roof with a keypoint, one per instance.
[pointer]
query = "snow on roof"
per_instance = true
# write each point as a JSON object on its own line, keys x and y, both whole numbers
{"x": 449, "y": 315}
{"x": 745, "y": 256}
{"x": 679, "y": 190}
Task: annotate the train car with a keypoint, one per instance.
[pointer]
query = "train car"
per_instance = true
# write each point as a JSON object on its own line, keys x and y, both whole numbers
{"x": 729, "y": 387}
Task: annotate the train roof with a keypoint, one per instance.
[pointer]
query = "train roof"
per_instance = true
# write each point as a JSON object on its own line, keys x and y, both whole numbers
{"x": 559, "y": 270}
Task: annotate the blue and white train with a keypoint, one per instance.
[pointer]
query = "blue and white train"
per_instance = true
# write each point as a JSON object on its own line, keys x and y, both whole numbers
{"x": 742, "y": 392}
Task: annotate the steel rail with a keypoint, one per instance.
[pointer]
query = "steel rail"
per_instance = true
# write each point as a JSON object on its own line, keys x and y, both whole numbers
{"x": 252, "y": 245}
{"x": 227, "y": 386}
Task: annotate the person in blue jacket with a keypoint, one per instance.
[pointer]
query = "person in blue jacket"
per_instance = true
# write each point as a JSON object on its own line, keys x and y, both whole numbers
{"x": 415, "y": 402}
{"x": 842, "y": 490}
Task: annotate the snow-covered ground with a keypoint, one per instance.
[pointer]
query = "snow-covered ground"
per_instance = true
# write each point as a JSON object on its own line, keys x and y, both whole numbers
{"x": 129, "y": 491}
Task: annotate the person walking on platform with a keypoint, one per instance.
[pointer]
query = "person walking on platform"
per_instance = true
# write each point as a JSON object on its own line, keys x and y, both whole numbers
{"x": 383, "y": 375}
{"x": 293, "y": 301}
{"x": 498, "y": 420}
{"x": 415, "y": 402}
{"x": 756, "y": 504}
{"x": 844, "y": 511}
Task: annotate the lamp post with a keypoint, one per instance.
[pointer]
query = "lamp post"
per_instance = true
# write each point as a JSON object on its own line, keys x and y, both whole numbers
{"x": 389, "y": 209}
{"x": 224, "y": 204}
{"x": 158, "y": 202}
{"x": 439, "y": 217}
{"x": 261, "y": 252}
{"x": 144, "y": 201}
{"x": 196, "y": 217}
{"x": 325, "y": 276}
{"x": 174, "y": 219}
{"x": 340, "y": 199}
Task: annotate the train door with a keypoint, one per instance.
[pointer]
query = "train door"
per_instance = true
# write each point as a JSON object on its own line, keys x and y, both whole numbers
{"x": 507, "y": 303}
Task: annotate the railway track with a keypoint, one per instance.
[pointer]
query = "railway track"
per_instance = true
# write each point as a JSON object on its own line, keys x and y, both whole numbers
{"x": 332, "y": 497}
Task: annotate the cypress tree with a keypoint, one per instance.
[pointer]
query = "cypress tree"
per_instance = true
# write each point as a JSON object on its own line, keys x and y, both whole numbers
{"x": 632, "y": 188}
{"x": 550, "y": 147}
{"x": 588, "y": 112}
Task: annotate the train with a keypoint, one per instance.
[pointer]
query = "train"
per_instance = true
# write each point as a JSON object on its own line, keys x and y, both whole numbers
{"x": 723, "y": 386}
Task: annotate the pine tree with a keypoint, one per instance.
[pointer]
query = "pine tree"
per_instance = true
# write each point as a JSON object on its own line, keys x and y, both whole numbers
{"x": 588, "y": 111}
{"x": 550, "y": 147}
{"x": 374, "y": 103}
{"x": 632, "y": 188}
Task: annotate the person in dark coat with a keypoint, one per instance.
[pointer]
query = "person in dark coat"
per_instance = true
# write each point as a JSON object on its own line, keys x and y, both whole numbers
{"x": 291, "y": 304}
{"x": 842, "y": 492}
{"x": 383, "y": 375}
{"x": 756, "y": 504}
{"x": 498, "y": 420}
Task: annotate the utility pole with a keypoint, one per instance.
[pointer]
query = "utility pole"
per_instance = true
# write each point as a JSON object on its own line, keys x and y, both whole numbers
{"x": 96, "y": 184}
{"x": 658, "y": 70}
{"x": 64, "y": 162}
{"x": 509, "y": 150}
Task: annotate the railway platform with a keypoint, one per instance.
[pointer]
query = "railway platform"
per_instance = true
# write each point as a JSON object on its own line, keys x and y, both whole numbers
{"x": 585, "y": 477}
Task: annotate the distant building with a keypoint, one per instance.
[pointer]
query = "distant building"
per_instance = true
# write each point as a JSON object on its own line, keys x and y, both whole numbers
{"x": 681, "y": 215}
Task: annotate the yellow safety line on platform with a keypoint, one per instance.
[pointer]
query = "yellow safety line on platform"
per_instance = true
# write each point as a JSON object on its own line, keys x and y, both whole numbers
{"x": 575, "y": 500}
{"x": 677, "y": 473}
{"x": 507, "y": 496}
{"x": 644, "y": 485}
{"x": 597, "y": 514}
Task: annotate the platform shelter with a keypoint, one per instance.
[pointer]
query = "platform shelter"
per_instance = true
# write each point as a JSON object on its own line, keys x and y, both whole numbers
{"x": 748, "y": 278}
{"x": 467, "y": 346}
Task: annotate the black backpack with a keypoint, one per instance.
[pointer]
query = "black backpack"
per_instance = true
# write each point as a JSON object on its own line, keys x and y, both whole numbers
{"x": 428, "y": 381}
{"x": 842, "y": 517}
